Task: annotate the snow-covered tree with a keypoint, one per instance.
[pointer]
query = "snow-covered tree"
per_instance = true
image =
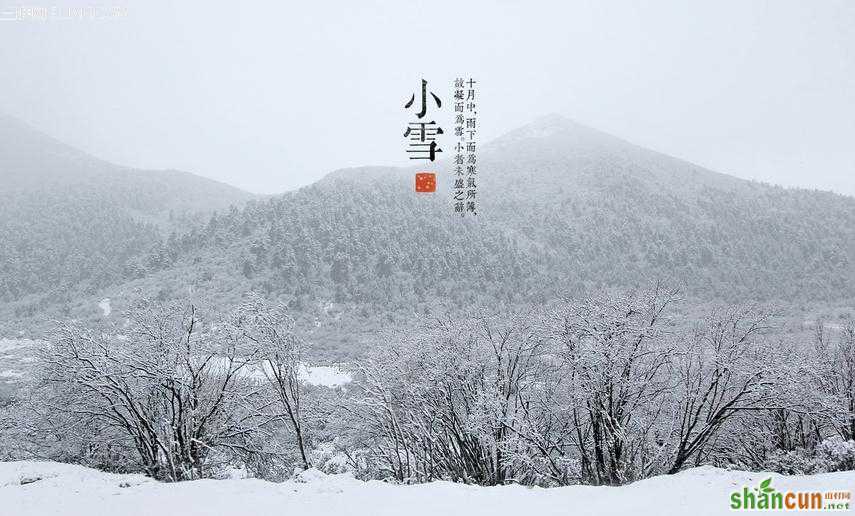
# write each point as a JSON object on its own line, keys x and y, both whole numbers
{"x": 176, "y": 392}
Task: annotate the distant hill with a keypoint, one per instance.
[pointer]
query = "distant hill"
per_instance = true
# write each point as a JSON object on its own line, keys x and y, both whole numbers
{"x": 70, "y": 221}
{"x": 564, "y": 209}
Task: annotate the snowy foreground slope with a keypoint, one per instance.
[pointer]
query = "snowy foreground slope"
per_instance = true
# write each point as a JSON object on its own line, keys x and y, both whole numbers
{"x": 74, "y": 490}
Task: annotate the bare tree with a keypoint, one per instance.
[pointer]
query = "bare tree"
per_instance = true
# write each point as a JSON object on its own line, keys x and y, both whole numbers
{"x": 605, "y": 390}
{"x": 721, "y": 371}
{"x": 271, "y": 329}
{"x": 176, "y": 392}
{"x": 835, "y": 375}
{"x": 614, "y": 353}
{"x": 443, "y": 402}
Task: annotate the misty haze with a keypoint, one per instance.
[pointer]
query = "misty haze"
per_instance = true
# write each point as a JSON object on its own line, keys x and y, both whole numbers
{"x": 233, "y": 281}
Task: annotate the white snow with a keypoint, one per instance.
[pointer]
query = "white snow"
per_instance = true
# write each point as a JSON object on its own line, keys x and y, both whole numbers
{"x": 75, "y": 490}
{"x": 11, "y": 373}
{"x": 325, "y": 376}
{"x": 104, "y": 305}
{"x": 319, "y": 376}
{"x": 7, "y": 345}
{"x": 16, "y": 357}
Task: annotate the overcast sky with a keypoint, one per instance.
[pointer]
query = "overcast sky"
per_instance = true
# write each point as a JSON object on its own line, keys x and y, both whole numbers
{"x": 270, "y": 97}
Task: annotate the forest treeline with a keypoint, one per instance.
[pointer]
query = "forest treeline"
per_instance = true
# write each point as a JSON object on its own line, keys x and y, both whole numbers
{"x": 603, "y": 390}
{"x": 572, "y": 212}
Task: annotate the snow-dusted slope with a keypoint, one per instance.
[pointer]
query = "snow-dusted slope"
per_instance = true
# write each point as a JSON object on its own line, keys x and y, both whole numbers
{"x": 74, "y": 490}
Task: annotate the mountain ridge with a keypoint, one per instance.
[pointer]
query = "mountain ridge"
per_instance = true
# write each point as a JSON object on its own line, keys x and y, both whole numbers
{"x": 557, "y": 217}
{"x": 68, "y": 218}
{"x": 561, "y": 211}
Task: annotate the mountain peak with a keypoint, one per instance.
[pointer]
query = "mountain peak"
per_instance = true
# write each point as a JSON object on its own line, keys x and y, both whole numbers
{"x": 19, "y": 137}
{"x": 554, "y": 128}
{"x": 554, "y": 122}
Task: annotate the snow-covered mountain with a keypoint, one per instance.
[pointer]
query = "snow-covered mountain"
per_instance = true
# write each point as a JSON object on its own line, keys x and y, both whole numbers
{"x": 70, "y": 221}
{"x": 563, "y": 210}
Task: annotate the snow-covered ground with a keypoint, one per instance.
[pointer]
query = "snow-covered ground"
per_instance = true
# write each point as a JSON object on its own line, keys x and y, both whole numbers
{"x": 74, "y": 490}
{"x": 16, "y": 356}
{"x": 105, "y": 307}
{"x": 318, "y": 375}
{"x": 8, "y": 345}
{"x": 326, "y": 376}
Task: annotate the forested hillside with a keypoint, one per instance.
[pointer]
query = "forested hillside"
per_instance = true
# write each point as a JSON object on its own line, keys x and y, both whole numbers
{"x": 563, "y": 210}
{"x": 70, "y": 222}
